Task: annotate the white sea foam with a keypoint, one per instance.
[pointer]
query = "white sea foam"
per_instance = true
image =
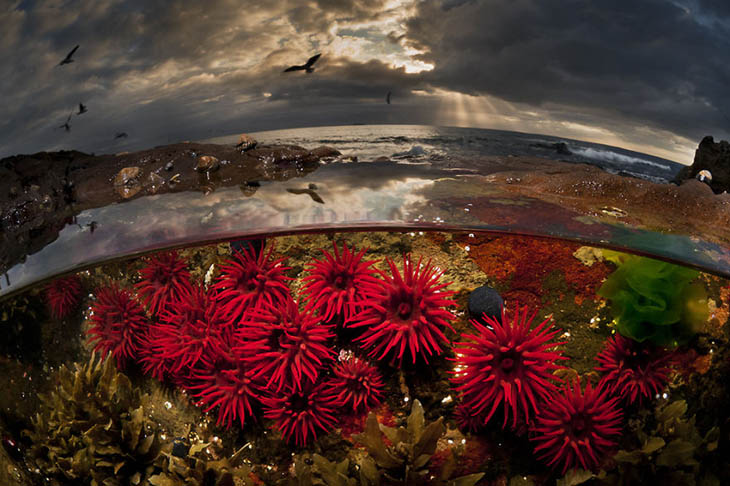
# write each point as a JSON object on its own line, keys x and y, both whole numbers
{"x": 609, "y": 156}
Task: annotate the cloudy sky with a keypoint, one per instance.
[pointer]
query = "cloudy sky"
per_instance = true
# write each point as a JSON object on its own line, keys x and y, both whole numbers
{"x": 648, "y": 75}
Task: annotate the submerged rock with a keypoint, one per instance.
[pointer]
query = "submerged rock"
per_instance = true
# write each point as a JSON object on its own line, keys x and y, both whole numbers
{"x": 483, "y": 301}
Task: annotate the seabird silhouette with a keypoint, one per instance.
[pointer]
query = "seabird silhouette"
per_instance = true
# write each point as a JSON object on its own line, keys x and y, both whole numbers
{"x": 67, "y": 59}
{"x": 66, "y": 125}
{"x": 82, "y": 109}
{"x": 387, "y": 98}
{"x": 307, "y": 67}
{"x": 120, "y": 135}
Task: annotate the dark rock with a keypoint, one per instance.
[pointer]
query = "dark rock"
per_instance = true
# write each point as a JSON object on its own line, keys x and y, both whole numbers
{"x": 713, "y": 157}
{"x": 242, "y": 246}
{"x": 207, "y": 163}
{"x": 325, "y": 152}
{"x": 246, "y": 142}
{"x": 180, "y": 448}
{"x": 485, "y": 300}
{"x": 75, "y": 181}
{"x": 562, "y": 148}
{"x": 559, "y": 147}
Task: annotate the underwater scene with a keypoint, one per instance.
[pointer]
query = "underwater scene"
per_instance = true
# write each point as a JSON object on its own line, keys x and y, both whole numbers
{"x": 369, "y": 358}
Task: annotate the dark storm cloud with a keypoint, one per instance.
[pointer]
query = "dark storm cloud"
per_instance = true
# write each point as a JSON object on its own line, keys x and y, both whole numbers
{"x": 345, "y": 79}
{"x": 166, "y": 71}
{"x": 650, "y": 62}
{"x": 143, "y": 62}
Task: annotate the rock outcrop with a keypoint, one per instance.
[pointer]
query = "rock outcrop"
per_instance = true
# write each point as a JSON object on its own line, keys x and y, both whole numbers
{"x": 714, "y": 157}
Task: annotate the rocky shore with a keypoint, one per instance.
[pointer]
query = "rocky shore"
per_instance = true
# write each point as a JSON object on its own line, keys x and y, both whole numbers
{"x": 42, "y": 193}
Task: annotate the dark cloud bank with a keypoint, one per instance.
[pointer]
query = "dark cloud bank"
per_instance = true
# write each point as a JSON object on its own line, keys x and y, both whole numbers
{"x": 166, "y": 71}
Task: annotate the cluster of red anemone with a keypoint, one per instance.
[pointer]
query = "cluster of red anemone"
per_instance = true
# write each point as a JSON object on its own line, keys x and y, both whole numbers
{"x": 244, "y": 344}
{"x": 511, "y": 364}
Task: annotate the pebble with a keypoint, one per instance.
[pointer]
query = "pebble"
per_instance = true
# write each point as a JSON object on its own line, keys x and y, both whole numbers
{"x": 485, "y": 300}
{"x": 704, "y": 176}
{"x": 155, "y": 182}
{"x": 169, "y": 166}
{"x": 207, "y": 163}
{"x": 246, "y": 142}
{"x": 126, "y": 182}
{"x": 249, "y": 188}
{"x": 180, "y": 448}
{"x": 126, "y": 176}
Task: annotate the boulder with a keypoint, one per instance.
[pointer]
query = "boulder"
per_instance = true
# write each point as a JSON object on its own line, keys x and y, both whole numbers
{"x": 713, "y": 157}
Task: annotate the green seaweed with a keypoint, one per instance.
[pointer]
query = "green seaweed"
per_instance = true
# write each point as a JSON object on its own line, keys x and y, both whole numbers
{"x": 654, "y": 301}
{"x": 93, "y": 429}
{"x": 405, "y": 457}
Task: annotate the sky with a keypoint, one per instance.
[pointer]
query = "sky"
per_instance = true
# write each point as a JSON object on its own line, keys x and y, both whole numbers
{"x": 648, "y": 75}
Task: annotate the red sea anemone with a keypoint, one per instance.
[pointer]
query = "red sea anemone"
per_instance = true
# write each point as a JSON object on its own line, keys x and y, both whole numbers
{"x": 466, "y": 420}
{"x": 165, "y": 279}
{"x": 63, "y": 295}
{"x": 507, "y": 363}
{"x": 301, "y": 414}
{"x": 226, "y": 382}
{"x": 118, "y": 324}
{"x": 405, "y": 313}
{"x": 285, "y": 346}
{"x": 188, "y": 335}
{"x": 335, "y": 284}
{"x": 248, "y": 281}
{"x": 633, "y": 370}
{"x": 577, "y": 429}
{"x": 356, "y": 385}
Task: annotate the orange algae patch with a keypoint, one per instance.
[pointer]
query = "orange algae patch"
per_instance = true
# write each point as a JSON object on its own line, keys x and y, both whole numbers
{"x": 522, "y": 265}
{"x": 691, "y": 362}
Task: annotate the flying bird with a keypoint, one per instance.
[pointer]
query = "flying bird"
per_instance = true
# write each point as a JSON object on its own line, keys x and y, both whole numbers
{"x": 307, "y": 67}
{"x": 120, "y": 135}
{"x": 387, "y": 98}
{"x": 82, "y": 109}
{"x": 67, "y": 59}
{"x": 66, "y": 125}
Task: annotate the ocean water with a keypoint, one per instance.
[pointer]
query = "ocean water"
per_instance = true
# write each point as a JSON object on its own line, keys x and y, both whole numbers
{"x": 421, "y": 144}
{"x": 162, "y": 371}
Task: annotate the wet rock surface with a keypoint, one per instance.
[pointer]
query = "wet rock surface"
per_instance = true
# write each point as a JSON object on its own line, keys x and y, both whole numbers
{"x": 713, "y": 157}
{"x": 690, "y": 209}
{"x": 41, "y": 193}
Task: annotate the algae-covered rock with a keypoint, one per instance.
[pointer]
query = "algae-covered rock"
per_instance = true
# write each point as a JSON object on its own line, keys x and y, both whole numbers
{"x": 93, "y": 429}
